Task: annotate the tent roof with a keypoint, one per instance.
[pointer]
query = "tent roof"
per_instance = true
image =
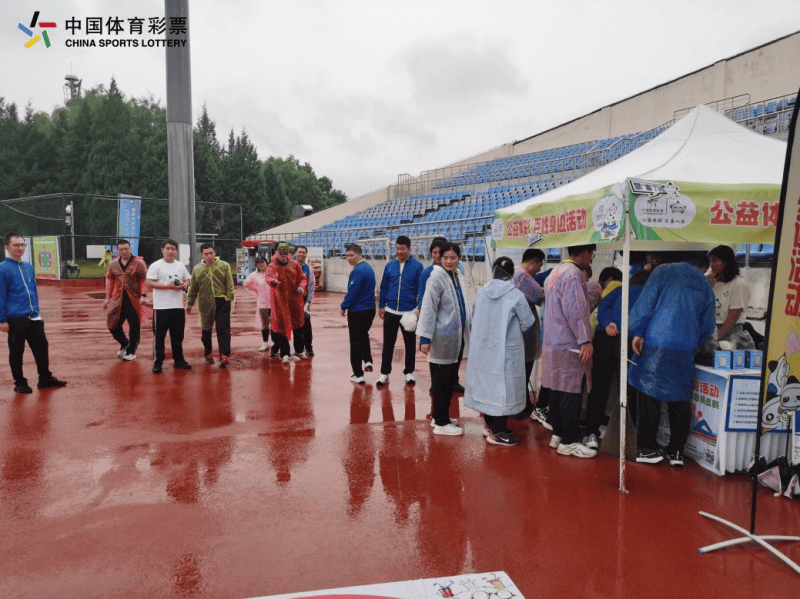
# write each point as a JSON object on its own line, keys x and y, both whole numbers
{"x": 703, "y": 147}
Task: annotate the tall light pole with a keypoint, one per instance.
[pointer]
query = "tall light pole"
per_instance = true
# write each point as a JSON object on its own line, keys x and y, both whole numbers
{"x": 180, "y": 148}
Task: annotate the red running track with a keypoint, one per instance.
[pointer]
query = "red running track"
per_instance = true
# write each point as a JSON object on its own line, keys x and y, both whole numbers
{"x": 269, "y": 478}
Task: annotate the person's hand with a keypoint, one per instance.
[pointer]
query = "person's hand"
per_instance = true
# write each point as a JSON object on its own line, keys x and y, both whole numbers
{"x": 381, "y": 313}
{"x": 416, "y": 313}
{"x": 4, "y": 327}
{"x": 425, "y": 348}
{"x": 105, "y": 304}
{"x": 344, "y": 312}
{"x": 273, "y": 283}
{"x": 185, "y": 285}
{"x": 300, "y": 290}
{"x": 612, "y": 330}
{"x": 188, "y": 309}
{"x": 637, "y": 344}
{"x": 586, "y": 352}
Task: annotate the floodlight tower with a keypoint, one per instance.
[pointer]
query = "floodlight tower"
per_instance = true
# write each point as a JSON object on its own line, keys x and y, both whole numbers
{"x": 72, "y": 88}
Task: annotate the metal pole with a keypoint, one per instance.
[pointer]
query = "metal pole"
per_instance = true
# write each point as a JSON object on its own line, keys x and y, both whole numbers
{"x": 623, "y": 344}
{"x": 180, "y": 149}
{"x": 72, "y": 226}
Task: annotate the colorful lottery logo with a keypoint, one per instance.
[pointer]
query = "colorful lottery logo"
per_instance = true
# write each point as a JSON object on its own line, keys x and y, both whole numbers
{"x": 29, "y": 31}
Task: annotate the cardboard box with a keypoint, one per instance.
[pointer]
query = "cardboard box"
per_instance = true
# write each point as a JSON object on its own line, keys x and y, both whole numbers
{"x": 753, "y": 359}
{"x": 738, "y": 359}
{"x": 722, "y": 360}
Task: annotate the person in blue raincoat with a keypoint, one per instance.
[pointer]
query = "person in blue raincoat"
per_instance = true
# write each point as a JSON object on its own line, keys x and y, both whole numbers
{"x": 672, "y": 317}
{"x": 496, "y": 383}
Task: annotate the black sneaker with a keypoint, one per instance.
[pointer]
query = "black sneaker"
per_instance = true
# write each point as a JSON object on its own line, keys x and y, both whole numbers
{"x": 648, "y": 456}
{"x": 506, "y": 439}
{"x": 156, "y": 367}
{"x": 309, "y": 352}
{"x": 184, "y": 365}
{"x": 675, "y": 458}
{"x": 51, "y": 383}
{"x": 24, "y": 388}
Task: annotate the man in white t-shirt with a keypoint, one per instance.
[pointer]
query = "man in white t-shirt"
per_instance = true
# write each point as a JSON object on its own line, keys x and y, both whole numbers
{"x": 169, "y": 280}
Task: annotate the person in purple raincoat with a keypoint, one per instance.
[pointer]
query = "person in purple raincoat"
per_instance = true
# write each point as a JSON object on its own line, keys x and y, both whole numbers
{"x": 567, "y": 349}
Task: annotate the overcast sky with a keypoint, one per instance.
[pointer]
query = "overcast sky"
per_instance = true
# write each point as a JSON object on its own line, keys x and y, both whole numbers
{"x": 367, "y": 89}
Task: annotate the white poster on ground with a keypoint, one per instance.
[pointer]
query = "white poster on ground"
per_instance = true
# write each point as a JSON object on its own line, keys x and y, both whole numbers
{"x": 489, "y": 585}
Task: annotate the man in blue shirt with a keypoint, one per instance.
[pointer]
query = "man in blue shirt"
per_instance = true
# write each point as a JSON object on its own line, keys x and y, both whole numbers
{"x": 359, "y": 306}
{"x": 19, "y": 316}
{"x": 398, "y": 298}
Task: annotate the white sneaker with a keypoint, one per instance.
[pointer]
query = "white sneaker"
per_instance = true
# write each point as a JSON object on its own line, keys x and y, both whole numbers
{"x": 453, "y": 421}
{"x": 555, "y": 441}
{"x": 285, "y": 359}
{"x": 129, "y": 357}
{"x": 121, "y": 353}
{"x": 382, "y": 380}
{"x": 367, "y": 366}
{"x": 591, "y": 441}
{"x": 295, "y": 358}
{"x": 264, "y": 346}
{"x": 358, "y": 379}
{"x": 302, "y": 356}
{"x": 448, "y": 429}
{"x": 579, "y": 450}
{"x": 410, "y": 380}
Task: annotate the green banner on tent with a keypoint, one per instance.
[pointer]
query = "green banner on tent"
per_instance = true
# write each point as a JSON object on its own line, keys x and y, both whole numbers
{"x": 586, "y": 218}
{"x": 675, "y": 211}
{"x": 703, "y": 212}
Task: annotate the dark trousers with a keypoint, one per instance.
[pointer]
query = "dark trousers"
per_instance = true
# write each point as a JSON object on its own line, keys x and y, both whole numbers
{"x": 497, "y": 424}
{"x": 565, "y": 413}
{"x": 442, "y": 389}
{"x": 358, "y": 324}
{"x": 280, "y": 344}
{"x": 127, "y": 313}
{"x": 172, "y": 320}
{"x": 543, "y": 398}
{"x": 21, "y": 330}
{"x": 605, "y": 366}
{"x": 391, "y": 323}
{"x": 680, "y": 421}
{"x": 528, "y": 403}
{"x": 303, "y": 337}
{"x": 222, "y": 322}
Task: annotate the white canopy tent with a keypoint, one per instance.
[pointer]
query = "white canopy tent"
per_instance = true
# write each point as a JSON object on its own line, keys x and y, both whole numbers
{"x": 722, "y": 157}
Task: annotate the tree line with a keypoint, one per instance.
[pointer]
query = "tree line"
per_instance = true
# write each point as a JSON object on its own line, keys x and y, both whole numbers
{"x": 104, "y": 144}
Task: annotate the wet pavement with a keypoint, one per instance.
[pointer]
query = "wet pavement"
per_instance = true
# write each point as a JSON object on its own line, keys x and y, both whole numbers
{"x": 268, "y": 478}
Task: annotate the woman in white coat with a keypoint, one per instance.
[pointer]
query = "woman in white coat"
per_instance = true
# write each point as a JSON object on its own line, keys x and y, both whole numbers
{"x": 496, "y": 382}
{"x": 443, "y": 329}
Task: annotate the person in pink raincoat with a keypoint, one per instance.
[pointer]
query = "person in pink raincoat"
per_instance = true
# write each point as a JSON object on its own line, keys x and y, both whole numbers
{"x": 256, "y": 284}
{"x": 567, "y": 349}
{"x": 125, "y": 286}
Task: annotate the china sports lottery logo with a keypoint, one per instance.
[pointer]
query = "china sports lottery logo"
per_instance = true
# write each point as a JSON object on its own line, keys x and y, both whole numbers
{"x": 44, "y": 26}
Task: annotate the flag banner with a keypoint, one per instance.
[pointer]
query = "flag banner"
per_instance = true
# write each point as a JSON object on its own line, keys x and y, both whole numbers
{"x": 130, "y": 220}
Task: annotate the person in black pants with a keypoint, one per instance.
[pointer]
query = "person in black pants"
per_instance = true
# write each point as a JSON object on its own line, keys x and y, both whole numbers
{"x": 168, "y": 278}
{"x": 359, "y": 307}
{"x": 20, "y": 318}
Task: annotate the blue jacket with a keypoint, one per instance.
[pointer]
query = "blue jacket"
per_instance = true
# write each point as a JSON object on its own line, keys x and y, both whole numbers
{"x": 360, "y": 289}
{"x": 675, "y": 315}
{"x": 18, "y": 295}
{"x": 423, "y": 281}
{"x": 610, "y": 307}
{"x": 399, "y": 290}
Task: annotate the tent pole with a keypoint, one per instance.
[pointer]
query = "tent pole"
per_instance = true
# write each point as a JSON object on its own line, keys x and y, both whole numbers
{"x": 623, "y": 345}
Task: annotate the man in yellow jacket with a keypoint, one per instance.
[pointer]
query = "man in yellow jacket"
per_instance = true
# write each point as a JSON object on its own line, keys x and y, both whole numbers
{"x": 211, "y": 288}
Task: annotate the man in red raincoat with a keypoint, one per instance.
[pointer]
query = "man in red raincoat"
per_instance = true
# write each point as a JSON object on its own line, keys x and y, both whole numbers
{"x": 288, "y": 283}
{"x": 125, "y": 284}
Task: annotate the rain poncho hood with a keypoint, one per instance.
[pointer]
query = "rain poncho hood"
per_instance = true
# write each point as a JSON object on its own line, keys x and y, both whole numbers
{"x": 495, "y": 383}
{"x": 674, "y": 314}
{"x": 440, "y": 317}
